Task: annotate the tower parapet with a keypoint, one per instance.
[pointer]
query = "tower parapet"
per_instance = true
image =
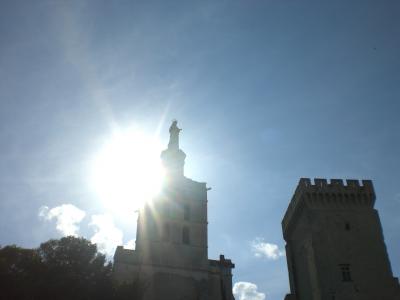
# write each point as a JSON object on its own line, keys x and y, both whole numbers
{"x": 334, "y": 193}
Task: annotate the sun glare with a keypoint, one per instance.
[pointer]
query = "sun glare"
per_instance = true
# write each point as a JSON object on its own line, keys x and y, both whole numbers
{"x": 127, "y": 171}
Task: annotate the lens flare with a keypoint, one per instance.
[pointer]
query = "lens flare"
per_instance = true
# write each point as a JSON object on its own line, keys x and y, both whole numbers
{"x": 127, "y": 171}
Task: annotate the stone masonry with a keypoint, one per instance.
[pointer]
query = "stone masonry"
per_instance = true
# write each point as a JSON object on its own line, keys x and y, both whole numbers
{"x": 334, "y": 243}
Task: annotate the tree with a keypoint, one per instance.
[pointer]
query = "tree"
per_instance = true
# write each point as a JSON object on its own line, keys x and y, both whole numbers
{"x": 66, "y": 269}
{"x": 19, "y": 272}
{"x": 75, "y": 270}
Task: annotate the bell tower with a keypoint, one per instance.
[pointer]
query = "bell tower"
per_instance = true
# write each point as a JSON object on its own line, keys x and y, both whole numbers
{"x": 172, "y": 229}
{"x": 171, "y": 254}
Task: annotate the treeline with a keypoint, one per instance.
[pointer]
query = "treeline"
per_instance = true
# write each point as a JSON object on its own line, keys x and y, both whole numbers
{"x": 68, "y": 268}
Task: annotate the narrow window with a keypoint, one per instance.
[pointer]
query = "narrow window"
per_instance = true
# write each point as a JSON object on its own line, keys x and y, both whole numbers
{"x": 185, "y": 236}
{"x": 347, "y": 226}
{"x": 345, "y": 269}
{"x": 186, "y": 212}
{"x": 166, "y": 232}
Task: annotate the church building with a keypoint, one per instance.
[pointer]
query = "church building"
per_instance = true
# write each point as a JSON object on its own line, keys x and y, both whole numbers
{"x": 171, "y": 253}
{"x": 335, "y": 248}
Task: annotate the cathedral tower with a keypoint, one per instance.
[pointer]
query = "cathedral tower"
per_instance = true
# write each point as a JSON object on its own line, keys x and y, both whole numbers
{"x": 171, "y": 254}
{"x": 172, "y": 229}
{"x": 334, "y": 243}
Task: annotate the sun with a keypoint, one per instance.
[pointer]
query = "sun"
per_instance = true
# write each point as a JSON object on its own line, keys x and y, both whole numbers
{"x": 127, "y": 170}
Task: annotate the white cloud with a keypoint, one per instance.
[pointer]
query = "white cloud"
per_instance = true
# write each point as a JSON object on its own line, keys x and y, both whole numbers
{"x": 130, "y": 245}
{"x": 67, "y": 217}
{"x": 247, "y": 291}
{"x": 262, "y": 249}
{"x": 106, "y": 235}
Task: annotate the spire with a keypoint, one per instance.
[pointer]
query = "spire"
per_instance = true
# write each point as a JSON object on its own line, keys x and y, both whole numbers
{"x": 173, "y": 158}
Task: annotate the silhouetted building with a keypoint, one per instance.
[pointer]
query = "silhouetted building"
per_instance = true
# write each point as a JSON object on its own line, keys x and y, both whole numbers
{"x": 334, "y": 243}
{"x": 171, "y": 255}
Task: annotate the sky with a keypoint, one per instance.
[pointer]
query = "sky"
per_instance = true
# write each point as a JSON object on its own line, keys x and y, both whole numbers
{"x": 266, "y": 92}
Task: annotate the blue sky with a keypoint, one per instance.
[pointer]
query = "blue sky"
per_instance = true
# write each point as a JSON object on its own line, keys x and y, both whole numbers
{"x": 266, "y": 92}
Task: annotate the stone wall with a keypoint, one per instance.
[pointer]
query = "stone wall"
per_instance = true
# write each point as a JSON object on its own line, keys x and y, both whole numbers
{"x": 171, "y": 283}
{"x": 335, "y": 247}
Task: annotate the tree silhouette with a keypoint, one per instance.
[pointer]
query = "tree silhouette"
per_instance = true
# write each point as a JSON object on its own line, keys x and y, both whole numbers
{"x": 68, "y": 268}
{"x": 20, "y": 270}
{"x": 74, "y": 270}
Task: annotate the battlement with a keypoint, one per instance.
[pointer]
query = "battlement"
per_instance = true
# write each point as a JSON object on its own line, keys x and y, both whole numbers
{"x": 338, "y": 183}
{"x": 324, "y": 194}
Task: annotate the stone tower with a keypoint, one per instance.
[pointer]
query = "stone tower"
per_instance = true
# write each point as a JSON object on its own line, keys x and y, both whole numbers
{"x": 334, "y": 243}
{"x": 172, "y": 230}
{"x": 171, "y": 254}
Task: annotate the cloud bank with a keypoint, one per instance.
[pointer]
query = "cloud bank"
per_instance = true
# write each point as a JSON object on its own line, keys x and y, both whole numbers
{"x": 247, "y": 291}
{"x": 67, "y": 218}
{"x": 107, "y": 236}
{"x": 130, "y": 245}
{"x": 267, "y": 250}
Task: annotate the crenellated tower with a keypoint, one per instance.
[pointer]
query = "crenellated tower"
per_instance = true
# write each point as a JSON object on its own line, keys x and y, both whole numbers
{"x": 335, "y": 248}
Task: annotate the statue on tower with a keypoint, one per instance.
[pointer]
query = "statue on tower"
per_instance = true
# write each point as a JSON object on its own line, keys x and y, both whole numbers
{"x": 173, "y": 158}
{"x": 174, "y": 135}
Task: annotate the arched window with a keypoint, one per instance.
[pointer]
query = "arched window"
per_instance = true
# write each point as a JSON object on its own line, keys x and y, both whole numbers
{"x": 345, "y": 269}
{"x": 185, "y": 236}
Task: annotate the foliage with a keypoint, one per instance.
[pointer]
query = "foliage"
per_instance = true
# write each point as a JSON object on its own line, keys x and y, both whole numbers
{"x": 68, "y": 268}
{"x": 19, "y": 272}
